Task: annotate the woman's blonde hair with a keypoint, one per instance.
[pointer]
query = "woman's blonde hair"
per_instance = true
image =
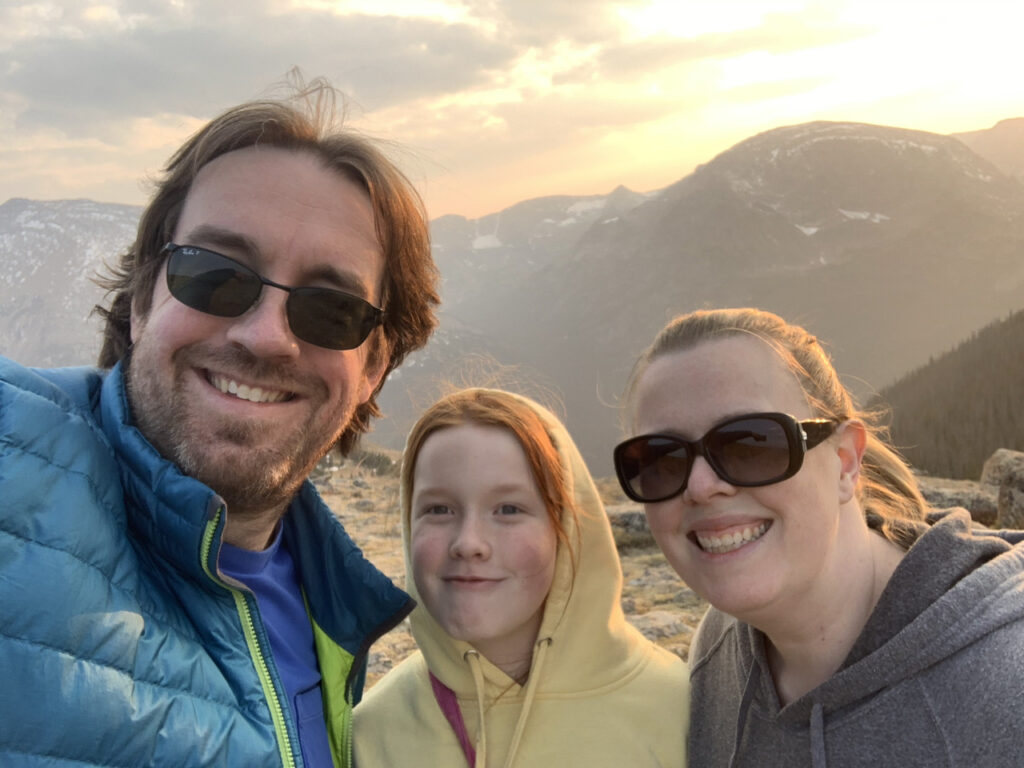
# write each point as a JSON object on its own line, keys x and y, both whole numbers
{"x": 888, "y": 490}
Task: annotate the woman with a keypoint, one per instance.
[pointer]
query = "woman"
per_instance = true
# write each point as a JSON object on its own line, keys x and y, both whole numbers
{"x": 844, "y": 630}
{"x": 525, "y": 657}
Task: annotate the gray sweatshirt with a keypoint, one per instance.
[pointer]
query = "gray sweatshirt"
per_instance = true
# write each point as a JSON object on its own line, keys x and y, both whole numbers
{"x": 936, "y": 677}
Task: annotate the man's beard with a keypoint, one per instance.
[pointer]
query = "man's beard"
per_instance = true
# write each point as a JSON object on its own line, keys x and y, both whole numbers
{"x": 268, "y": 475}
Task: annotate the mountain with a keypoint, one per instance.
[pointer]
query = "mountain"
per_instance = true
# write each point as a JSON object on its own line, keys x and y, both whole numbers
{"x": 950, "y": 415}
{"x": 891, "y": 244}
{"x": 49, "y": 252}
{"x": 1002, "y": 145}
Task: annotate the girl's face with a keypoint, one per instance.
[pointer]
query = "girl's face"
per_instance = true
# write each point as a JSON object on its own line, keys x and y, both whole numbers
{"x": 773, "y": 545}
{"x": 482, "y": 544}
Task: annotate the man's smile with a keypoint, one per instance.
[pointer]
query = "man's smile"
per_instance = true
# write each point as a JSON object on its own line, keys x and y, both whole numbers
{"x": 251, "y": 392}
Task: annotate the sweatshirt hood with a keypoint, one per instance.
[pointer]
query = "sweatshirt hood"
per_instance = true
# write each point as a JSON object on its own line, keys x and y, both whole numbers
{"x": 584, "y": 642}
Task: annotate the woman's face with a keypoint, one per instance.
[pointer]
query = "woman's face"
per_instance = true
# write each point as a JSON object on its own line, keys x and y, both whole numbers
{"x": 787, "y": 539}
{"x": 482, "y": 544}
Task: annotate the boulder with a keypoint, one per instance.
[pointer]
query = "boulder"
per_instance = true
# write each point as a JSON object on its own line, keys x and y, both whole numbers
{"x": 978, "y": 499}
{"x": 1002, "y": 464}
{"x": 1005, "y": 468}
{"x": 1011, "y": 502}
{"x": 629, "y": 526}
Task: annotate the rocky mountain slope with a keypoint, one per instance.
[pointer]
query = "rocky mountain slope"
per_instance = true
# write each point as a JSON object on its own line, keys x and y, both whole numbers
{"x": 49, "y": 252}
{"x": 869, "y": 235}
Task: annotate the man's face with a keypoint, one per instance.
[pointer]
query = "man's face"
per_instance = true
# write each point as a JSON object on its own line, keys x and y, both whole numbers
{"x": 241, "y": 403}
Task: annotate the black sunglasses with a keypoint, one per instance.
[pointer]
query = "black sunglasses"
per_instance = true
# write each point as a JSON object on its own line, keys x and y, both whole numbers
{"x": 747, "y": 451}
{"x": 213, "y": 283}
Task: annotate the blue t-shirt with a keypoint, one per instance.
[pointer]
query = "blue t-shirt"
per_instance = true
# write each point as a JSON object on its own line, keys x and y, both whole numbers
{"x": 273, "y": 577}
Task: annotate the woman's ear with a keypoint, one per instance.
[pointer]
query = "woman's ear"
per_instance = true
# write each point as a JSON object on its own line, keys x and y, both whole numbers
{"x": 851, "y": 440}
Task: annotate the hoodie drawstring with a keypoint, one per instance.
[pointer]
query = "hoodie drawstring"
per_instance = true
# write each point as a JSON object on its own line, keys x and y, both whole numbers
{"x": 741, "y": 717}
{"x": 540, "y": 652}
{"x": 473, "y": 659}
{"x": 818, "y": 759}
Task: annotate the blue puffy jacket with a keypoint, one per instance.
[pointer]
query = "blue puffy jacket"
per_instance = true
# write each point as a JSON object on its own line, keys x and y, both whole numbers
{"x": 119, "y": 643}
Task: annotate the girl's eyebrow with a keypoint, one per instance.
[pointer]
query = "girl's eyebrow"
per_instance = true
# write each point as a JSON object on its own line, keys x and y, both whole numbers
{"x": 511, "y": 488}
{"x": 432, "y": 492}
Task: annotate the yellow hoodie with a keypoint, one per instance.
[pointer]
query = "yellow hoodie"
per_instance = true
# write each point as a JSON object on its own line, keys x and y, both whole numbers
{"x": 599, "y": 693}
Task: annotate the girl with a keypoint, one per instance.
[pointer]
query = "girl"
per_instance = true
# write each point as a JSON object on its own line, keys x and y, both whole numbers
{"x": 844, "y": 630}
{"x": 525, "y": 656}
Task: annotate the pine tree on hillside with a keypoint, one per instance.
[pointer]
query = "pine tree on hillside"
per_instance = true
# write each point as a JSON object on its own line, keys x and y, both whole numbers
{"x": 949, "y": 416}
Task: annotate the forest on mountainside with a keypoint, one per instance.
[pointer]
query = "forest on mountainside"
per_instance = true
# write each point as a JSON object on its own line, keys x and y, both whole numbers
{"x": 950, "y": 415}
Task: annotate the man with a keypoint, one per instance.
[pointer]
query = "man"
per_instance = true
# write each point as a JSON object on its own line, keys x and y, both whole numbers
{"x": 173, "y": 590}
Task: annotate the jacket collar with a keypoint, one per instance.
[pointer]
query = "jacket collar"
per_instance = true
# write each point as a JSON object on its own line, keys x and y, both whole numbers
{"x": 168, "y": 511}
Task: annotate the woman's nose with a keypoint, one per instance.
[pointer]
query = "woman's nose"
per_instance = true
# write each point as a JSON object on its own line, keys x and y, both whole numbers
{"x": 704, "y": 483}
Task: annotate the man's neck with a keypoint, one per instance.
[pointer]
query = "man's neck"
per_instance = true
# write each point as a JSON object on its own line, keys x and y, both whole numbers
{"x": 252, "y": 531}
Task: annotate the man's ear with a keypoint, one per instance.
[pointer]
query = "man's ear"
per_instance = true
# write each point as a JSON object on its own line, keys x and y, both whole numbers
{"x": 851, "y": 440}
{"x": 135, "y": 319}
{"x": 373, "y": 369}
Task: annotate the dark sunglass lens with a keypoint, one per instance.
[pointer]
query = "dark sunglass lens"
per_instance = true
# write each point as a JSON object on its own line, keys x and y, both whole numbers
{"x": 211, "y": 283}
{"x": 330, "y": 318}
{"x": 655, "y": 467}
{"x": 752, "y": 450}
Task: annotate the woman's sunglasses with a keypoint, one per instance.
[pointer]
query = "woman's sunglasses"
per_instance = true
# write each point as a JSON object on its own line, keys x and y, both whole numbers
{"x": 212, "y": 283}
{"x": 747, "y": 451}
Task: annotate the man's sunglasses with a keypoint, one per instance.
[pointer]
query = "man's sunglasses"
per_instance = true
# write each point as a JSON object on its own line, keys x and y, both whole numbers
{"x": 747, "y": 451}
{"x": 213, "y": 283}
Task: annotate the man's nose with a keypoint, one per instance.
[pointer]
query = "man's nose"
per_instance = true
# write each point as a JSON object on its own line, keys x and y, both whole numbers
{"x": 263, "y": 329}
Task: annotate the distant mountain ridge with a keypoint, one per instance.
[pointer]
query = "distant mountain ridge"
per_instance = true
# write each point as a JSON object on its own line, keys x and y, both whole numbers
{"x": 1000, "y": 145}
{"x": 891, "y": 244}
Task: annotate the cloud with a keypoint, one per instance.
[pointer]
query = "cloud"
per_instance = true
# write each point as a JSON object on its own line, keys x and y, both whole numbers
{"x": 154, "y": 60}
{"x": 544, "y": 23}
{"x": 776, "y": 34}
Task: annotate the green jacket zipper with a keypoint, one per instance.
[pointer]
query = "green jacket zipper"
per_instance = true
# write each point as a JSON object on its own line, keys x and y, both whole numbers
{"x": 255, "y": 651}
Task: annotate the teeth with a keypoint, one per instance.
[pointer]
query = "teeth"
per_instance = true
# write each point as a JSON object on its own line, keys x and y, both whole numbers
{"x": 245, "y": 392}
{"x": 730, "y": 541}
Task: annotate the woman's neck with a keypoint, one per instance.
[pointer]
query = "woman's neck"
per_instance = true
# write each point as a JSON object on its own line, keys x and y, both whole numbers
{"x": 807, "y": 644}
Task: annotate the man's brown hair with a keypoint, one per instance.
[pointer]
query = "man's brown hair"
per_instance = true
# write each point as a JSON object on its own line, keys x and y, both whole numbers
{"x": 307, "y": 123}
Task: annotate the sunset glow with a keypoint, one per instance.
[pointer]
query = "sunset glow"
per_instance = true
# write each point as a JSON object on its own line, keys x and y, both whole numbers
{"x": 489, "y": 104}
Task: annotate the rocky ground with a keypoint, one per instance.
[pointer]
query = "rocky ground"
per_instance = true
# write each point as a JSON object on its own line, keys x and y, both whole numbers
{"x": 654, "y": 599}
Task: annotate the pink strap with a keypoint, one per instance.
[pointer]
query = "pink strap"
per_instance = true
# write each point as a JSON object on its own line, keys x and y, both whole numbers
{"x": 450, "y": 707}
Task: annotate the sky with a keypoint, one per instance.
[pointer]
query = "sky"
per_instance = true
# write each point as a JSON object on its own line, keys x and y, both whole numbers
{"x": 484, "y": 103}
